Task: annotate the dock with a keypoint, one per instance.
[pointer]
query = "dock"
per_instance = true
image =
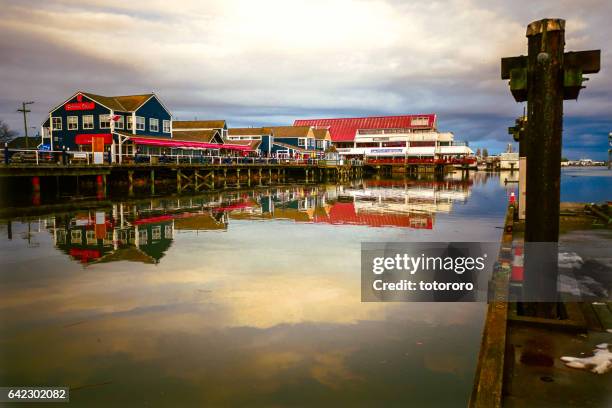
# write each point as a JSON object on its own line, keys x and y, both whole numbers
{"x": 520, "y": 357}
{"x": 183, "y": 175}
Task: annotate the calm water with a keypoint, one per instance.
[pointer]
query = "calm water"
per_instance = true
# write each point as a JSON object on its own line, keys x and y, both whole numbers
{"x": 241, "y": 298}
{"x": 586, "y": 184}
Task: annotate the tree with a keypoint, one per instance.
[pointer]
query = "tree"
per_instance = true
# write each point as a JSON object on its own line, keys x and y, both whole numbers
{"x": 478, "y": 152}
{"x": 485, "y": 152}
{"x": 6, "y": 133}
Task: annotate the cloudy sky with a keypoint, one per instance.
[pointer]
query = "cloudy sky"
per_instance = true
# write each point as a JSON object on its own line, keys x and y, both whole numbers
{"x": 272, "y": 61}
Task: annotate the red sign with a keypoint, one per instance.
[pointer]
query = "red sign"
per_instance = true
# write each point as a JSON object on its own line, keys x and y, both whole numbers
{"x": 87, "y": 138}
{"x": 80, "y": 106}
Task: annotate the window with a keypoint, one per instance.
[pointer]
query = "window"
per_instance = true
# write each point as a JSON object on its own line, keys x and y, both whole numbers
{"x": 142, "y": 237}
{"x": 57, "y": 123}
{"x": 153, "y": 125}
{"x": 88, "y": 122}
{"x": 301, "y": 142}
{"x": 166, "y": 126}
{"x": 419, "y": 121}
{"x": 156, "y": 233}
{"x": 119, "y": 122}
{"x": 75, "y": 236}
{"x": 168, "y": 232}
{"x": 90, "y": 235}
{"x": 73, "y": 122}
{"x": 140, "y": 123}
{"x": 104, "y": 121}
{"x": 129, "y": 123}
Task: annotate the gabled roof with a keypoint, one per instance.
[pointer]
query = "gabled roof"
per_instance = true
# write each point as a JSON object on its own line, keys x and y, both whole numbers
{"x": 125, "y": 103}
{"x": 249, "y": 131}
{"x": 290, "y": 131}
{"x": 344, "y": 129}
{"x": 198, "y": 124}
{"x": 197, "y": 135}
{"x": 133, "y": 102}
{"x": 321, "y": 134}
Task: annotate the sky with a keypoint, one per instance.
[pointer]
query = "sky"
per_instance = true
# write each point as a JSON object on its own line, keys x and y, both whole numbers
{"x": 269, "y": 62}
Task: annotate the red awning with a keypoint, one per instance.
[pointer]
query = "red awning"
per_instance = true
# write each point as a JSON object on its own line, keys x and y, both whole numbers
{"x": 85, "y": 138}
{"x": 184, "y": 144}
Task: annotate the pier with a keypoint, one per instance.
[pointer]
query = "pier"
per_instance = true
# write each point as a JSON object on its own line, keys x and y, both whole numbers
{"x": 183, "y": 173}
{"x": 540, "y": 313}
{"x": 414, "y": 166}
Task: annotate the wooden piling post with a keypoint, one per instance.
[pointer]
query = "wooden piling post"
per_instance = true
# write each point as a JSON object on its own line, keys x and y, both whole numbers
{"x": 152, "y": 181}
{"x": 544, "y": 79}
{"x": 131, "y": 182}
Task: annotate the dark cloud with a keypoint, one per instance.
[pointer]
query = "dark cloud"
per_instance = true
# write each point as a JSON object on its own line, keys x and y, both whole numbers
{"x": 270, "y": 64}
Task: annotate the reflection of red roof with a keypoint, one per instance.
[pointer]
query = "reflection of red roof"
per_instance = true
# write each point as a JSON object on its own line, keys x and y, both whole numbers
{"x": 344, "y": 129}
{"x": 344, "y": 213}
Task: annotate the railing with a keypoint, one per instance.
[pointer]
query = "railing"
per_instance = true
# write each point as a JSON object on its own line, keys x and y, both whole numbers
{"x": 427, "y": 160}
{"x": 57, "y": 157}
{"x": 393, "y": 131}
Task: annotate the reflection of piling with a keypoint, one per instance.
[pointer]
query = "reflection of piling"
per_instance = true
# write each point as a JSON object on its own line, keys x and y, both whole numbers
{"x": 36, "y": 190}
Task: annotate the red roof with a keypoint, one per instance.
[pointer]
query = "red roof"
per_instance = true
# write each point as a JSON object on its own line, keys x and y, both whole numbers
{"x": 344, "y": 129}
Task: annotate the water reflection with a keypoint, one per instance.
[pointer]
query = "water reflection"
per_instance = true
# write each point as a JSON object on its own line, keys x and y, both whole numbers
{"x": 144, "y": 231}
{"x": 240, "y": 298}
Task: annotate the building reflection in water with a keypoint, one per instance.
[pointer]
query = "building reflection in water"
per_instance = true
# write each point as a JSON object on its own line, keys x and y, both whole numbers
{"x": 143, "y": 231}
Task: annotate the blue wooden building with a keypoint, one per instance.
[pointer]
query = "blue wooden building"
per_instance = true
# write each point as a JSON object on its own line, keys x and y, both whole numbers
{"x": 85, "y": 116}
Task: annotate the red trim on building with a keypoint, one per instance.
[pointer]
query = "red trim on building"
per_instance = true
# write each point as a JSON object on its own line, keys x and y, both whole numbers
{"x": 86, "y": 138}
{"x": 185, "y": 144}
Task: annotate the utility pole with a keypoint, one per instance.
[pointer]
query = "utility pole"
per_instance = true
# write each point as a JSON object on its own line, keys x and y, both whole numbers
{"x": 25, "y": 120}
{"x": 544, "y": 78}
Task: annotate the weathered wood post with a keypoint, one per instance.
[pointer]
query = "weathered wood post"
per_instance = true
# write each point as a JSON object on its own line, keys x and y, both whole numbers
{"x": 544, "y": 79}
{"x": 130, "y": 182}
{"x": 152, "y": 181}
